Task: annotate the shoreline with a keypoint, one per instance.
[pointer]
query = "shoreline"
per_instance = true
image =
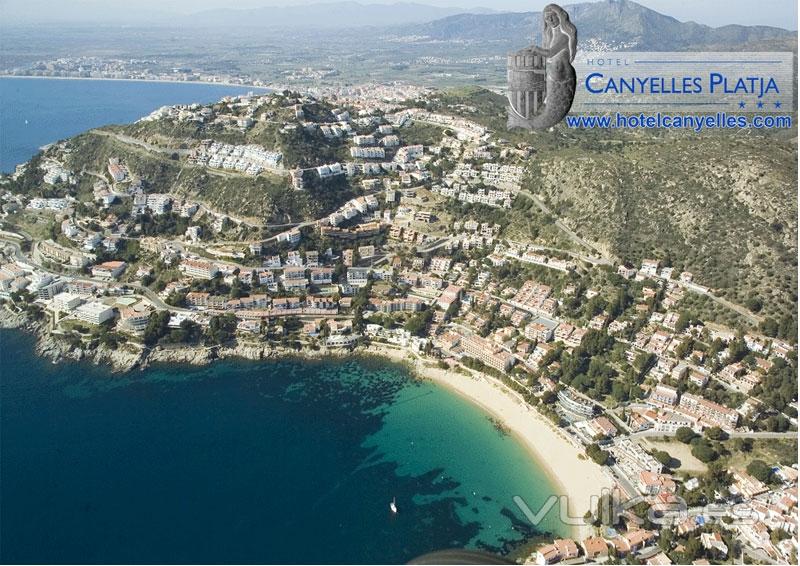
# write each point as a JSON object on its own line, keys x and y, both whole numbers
{"x": 568, "y": 470}
{"x": 577, "y": 478}
{"x": 167, "y": 81}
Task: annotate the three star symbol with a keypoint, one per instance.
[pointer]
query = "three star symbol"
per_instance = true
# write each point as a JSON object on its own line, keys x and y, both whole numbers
{"x": 760, "y": 104}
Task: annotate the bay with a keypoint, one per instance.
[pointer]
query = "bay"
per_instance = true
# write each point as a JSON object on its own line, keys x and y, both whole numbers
{"x": 244, "y": 462}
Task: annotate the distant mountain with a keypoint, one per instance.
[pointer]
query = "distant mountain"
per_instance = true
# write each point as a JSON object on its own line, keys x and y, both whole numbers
{"x": 315, "y": 14}
{"x": 616, "y": 24}
{"x": 326, "y": 15}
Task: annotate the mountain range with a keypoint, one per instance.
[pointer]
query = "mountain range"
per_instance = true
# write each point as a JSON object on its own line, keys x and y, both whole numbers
{"x": 617, "y": 24}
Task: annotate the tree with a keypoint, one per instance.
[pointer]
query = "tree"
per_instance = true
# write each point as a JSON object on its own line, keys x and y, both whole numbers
{"x": 760, "y": 470}
{"x": 418, "y": 323}
{"x": 597, "y": 454}
{"x": 620, "y": 390}
{"x": 703, "y": 451}
{"x": 156, "y": 327}
{"x": 606, "y": 512}
{"x": 665, "y": 539}
{"x": 684, "y": 347}
{"x": 769, "y": 326}
{"x": 693, "y": 548}
{"x": 236, "y": 291}
{"x": 715, "y": 433}
{"x": 663, "y": 457}
{"x": 779, "y": 386}
{"x": 452, "y": 310}
{"x": 683, "y": 322}
{"x": 221, "y": 329}
{"x": 685, "y": 434}
{"x": 596, "y": 342}
{"x": 188, "y": 331}
{"x": 642, "y": 363}
{"x": 176, "y": 299}
{"x": 776, "y": 423}
{"x": 621, "y": 302}
{"x": 754, "y": 304}
{"x": 548, "y": 397}
{"x": 777, "y": 535}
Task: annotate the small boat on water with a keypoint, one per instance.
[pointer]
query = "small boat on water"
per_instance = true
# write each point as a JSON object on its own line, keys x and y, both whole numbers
{"x": 393, "y": 505}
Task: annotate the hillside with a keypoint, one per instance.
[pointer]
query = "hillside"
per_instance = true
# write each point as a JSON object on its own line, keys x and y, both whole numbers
{"x": 719, "y": 205}
{"x": 299, "y": 147}
{"x": 722, "y": 209}
{"x": 266, "y": 198}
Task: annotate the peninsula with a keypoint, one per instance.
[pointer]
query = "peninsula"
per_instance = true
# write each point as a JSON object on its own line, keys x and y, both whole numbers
{"x": 404, "y": 222}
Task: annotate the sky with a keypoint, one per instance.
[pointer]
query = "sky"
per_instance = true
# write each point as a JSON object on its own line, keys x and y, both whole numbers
{"x": 779, "y": 13}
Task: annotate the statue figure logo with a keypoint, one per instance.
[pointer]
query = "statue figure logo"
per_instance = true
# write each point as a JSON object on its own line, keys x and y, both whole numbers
{"x": 541, "y": 80}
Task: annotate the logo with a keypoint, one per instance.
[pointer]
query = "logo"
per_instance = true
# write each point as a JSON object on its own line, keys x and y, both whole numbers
{"x": 541, "y": 80}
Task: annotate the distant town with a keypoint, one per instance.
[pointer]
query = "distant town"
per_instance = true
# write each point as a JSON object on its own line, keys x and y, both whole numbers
{"x": 686, "y": 418}
{"x": 126, "y": 69}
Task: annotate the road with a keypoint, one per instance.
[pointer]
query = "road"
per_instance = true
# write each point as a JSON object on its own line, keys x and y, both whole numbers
{"x": 757, "y": 554}
{"x": 146, "y": 291}
{"x": 151, "y": 295}
{"x": 569, "y": 232}
{"x": 606, "y": 259}
{"x": 792, "y": 435}
{"x": 623, "y": 481}
{"x": 594, "y": 260}
{"x": 129, "y": 140}
{"x": 435, "y": 245}
{"x": 753, "y": 319}
{"x": 237, "y": 219}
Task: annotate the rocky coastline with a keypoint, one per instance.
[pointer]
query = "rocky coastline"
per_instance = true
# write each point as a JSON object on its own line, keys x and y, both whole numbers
{"x": 130, "y": 356}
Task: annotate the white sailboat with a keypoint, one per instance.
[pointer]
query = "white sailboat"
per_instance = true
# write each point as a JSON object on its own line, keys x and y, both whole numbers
{"x": 393, "y": 505}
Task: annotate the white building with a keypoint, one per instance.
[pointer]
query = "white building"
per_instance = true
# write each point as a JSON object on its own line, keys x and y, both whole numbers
{"x": 66, "y": 301}
{"x": 94, "y": 312}
{"x": 357, "y": 276}
{"x": 199, "y": 269}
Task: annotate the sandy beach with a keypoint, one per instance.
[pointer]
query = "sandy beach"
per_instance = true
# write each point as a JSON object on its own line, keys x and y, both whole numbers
{"x": 565, "y": 462}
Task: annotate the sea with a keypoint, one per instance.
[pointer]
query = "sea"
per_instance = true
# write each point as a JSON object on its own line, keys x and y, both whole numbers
{"x": 38, "y": 111}
{"x": 292, "y": 461}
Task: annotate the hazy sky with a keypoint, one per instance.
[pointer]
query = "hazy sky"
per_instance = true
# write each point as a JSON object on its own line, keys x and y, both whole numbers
{"x": 780, "y": 13}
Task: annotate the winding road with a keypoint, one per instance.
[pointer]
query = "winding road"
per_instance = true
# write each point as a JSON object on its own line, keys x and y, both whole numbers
{"x": 606, "y": 258}
{"x": 151, "y": 295}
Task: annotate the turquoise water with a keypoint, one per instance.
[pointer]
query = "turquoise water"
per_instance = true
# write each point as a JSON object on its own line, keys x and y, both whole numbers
{"x": 35, "y": 112}
{"x": 242, "y": 462}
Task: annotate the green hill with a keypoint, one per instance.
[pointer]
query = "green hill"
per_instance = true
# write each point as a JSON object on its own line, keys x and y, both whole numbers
{"x": 719, "y": 204}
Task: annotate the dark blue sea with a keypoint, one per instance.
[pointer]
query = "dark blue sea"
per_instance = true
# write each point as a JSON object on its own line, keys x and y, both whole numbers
{"x": 244, "y": 462}
{"x": 35, "y": 112}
